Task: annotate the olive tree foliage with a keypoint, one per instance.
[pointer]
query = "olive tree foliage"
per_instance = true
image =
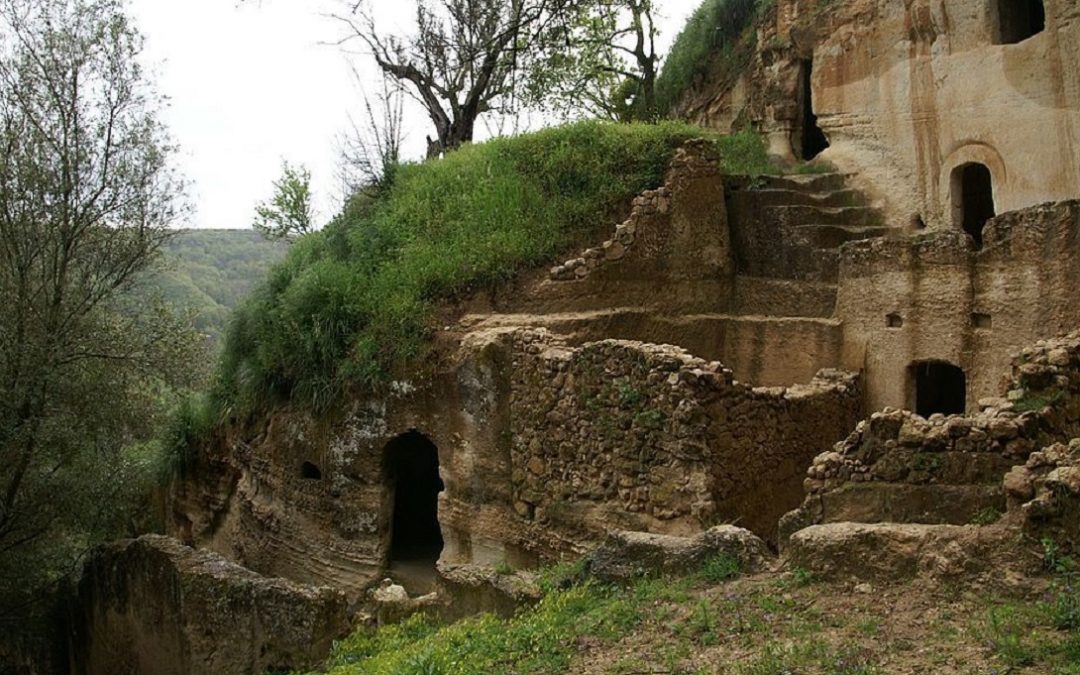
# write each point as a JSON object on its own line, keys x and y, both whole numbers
{"x": 288, "y": 213}
{"x": 609, "y": 65}
{"x": 465, "y": 58}
{"x": 86, "y": 195}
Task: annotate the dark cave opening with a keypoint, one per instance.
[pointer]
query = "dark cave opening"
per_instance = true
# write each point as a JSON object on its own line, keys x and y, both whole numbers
{"x": 412, "y": 469}
{"x": 812, "y": 140}
{"x": 973, "y": 199}
{"x": 939, "y": 388}
{"x": 1020, "y": 19}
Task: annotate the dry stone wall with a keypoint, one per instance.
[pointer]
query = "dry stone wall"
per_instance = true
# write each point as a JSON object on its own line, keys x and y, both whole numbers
{"x": 647, "y": 437}
{"x": 1046, "y": 492}
{"x": 899, "y": 467}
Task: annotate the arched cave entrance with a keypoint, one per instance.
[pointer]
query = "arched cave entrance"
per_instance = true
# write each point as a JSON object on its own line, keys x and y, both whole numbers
{"x": 810, "y": 140}
{"x": 412, "y": 473}
{"x": 1020, "y": 19}
{"x": 939, "y": 387}
{"x": 973, "y": 199}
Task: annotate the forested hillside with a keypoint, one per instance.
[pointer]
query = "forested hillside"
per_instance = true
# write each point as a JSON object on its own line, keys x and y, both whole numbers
{"x": 211, "y": 271}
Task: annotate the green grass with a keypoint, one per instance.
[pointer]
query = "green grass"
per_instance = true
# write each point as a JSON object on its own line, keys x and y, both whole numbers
{"x": 719, "y": 33}
{"x": 538, "y": 640}
{"x": 720, "y": 568}
{"x": 352, "y": 304}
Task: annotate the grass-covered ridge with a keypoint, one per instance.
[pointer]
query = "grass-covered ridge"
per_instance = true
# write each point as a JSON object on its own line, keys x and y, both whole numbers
{"x": 352, "y": 305}
{"x": 718, "y": 31}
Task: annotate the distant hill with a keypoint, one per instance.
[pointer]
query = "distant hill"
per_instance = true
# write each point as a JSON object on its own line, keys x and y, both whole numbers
{"x": 210, "y": 271}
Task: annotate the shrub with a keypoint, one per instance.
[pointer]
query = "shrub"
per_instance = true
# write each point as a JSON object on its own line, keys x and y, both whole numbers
{"x": 189, "y": 426}
{"x": 720, "y": 568}
{"x": 714, "y": 34}
{"x": 353, "y": 303}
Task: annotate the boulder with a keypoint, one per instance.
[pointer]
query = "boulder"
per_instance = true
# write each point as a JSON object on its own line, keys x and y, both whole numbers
{"x": 625, "y": 556}
{"x": 156, "y": 607}
{"x": 891, "y": 552}
{"x": 465, "y": 590}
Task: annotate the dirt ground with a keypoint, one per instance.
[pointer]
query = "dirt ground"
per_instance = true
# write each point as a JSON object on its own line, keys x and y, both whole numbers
{"x": 788, "y": 623}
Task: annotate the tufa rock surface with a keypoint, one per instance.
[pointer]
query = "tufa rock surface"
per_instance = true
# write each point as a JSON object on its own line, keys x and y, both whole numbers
{"x": 156, "y": 607}
{"x": 625, "y": 556}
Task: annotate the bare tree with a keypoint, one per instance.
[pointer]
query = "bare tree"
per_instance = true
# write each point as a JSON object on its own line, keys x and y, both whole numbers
{"x": 466, "y": 58}
{"x": 371, "y": 148}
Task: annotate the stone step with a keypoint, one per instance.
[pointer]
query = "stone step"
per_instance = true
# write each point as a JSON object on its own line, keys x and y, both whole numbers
{"x": 827, "y": 198}
{"x": 890, "y": 552}
{"x": 807, "y": 263}
{"x": 814, "y": 182}
{"x": 835, "y": 236}
{"x": 855, "y": 216}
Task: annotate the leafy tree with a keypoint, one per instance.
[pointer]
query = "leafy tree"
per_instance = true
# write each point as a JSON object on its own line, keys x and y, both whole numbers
{"x": 466, "y": 57}
{"x": 86, "y": 195}
{"x": 609, "y": 65}
{"x": 289, "y": 213}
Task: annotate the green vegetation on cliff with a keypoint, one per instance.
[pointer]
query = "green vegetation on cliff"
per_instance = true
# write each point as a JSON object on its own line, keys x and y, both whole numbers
{"x": 714, "y": 34}
{"x": 353, "y": 304}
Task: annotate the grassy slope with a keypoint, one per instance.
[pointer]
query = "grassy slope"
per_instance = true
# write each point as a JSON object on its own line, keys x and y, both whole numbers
{"x": 770, "y": 624}
{"x": 351, "y": 305}
{"x": 717, "y": 34}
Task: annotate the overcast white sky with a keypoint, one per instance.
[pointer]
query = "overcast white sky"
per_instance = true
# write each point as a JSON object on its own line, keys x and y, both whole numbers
{"x": 253, "y": 83}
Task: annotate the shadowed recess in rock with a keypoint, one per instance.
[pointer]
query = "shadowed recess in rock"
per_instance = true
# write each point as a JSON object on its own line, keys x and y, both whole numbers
{"x": 1020, "y": 19}
{"x": 939, "y": 388}
{"x": 813, "y": 141}
{"x": 973, "y": 199}
{"x": 412, "y": 470}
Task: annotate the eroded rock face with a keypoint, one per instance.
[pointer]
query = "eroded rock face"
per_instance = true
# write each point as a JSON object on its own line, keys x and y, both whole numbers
{"x": 908, "y": 92}
{"x": 156, "y": 607}
{"x": 625, "y": 556}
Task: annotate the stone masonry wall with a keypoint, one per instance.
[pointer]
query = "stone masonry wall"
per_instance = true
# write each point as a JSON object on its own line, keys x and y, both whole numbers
{"x": 934, "y": 297}
{"x": 638, "y": 436}
{"x": 898, "y": 467}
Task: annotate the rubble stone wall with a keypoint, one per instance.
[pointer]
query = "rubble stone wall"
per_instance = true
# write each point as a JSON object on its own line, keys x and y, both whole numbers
{"x": 899, "y": 467}
{"x": 647, "y": 437}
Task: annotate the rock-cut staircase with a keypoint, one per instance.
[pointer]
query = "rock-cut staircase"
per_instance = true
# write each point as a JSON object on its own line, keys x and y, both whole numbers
{"x": 792, "y": 227}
